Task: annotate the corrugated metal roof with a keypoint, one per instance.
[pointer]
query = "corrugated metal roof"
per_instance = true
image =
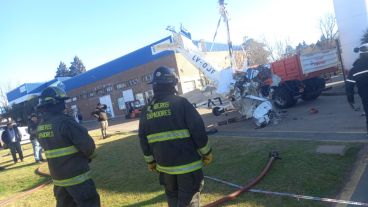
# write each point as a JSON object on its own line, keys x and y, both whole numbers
{"x": 129, "y": 61}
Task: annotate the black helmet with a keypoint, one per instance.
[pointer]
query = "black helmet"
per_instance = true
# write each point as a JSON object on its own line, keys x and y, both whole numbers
{"x": 51, "y": 95}
{"x": 164, "y": 75}
{"x": 361, "y": 49}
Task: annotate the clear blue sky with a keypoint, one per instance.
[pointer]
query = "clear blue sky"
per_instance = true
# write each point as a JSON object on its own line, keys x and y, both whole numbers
{"x": 36, "y": 35}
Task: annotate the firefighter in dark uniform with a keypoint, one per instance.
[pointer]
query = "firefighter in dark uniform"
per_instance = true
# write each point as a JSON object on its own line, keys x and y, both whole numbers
{"x": 174, "y": 141}
{"x": 358, "y": 76}
{"x": 68, "y": 149}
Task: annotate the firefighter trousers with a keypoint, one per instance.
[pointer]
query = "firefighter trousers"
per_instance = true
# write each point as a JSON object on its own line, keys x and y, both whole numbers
{"x": 363, "y": 93}
{"x": 81, "y": 195}
{"x": 183, "y": 190}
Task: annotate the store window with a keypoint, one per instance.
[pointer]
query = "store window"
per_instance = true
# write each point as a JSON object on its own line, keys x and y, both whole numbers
{"x": 147, "y": 78}
{"x": 121, "y": 103}
{"x": 109, "y": 89}
{"x": 121, "y": 85}
{"x": 140, "y": 98}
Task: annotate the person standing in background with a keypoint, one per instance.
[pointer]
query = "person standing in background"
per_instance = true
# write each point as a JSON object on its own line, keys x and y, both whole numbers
{"x": 11, "y": 136}
{"x": 32, "y": 130}
{"x": 101, "y": 115}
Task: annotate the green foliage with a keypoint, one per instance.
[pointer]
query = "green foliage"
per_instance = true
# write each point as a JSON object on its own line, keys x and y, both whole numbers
{"x": 76, "y": 67}
{"x": 364, "y": 38}
{"x": 257, "y": 54}
{"x": 21, "y": 111}
{"x": 62, "y": 70}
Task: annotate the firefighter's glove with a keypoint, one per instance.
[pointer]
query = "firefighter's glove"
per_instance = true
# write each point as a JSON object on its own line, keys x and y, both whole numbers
{"x": 207, "y": 159}
{"x": 152, "y": 167}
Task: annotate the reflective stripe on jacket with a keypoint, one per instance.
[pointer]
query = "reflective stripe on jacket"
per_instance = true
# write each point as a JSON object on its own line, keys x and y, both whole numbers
{"x": 68, "y": 148}
{"x": 73, "y": 181}
{"x": 358, "y": 76}
{"x": 172, "y": 133}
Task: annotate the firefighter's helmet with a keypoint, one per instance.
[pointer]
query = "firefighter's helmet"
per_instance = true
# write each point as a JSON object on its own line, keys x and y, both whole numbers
{"x": 164, "y": 75}
{"x": 361, "y": 49}
{"x": 51, "y": 95}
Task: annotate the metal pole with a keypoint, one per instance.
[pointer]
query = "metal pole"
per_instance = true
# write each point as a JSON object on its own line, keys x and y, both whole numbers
{"x": 340, "y": 57}
{"x": 223, "y": 13}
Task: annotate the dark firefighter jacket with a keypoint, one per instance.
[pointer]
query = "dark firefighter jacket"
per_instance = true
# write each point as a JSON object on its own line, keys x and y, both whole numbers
{"x": 68, "y": 149}
{"x": 172, "y": 133}
{"x": 358, "y": 75}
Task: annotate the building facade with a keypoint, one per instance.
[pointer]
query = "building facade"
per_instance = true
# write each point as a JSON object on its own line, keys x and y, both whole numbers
{"x": 126, "y": 79}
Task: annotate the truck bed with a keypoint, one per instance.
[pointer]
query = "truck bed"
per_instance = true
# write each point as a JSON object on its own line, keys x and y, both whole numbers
{"x": 302, "y": 67}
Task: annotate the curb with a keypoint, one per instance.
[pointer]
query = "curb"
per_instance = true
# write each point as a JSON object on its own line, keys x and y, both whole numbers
{"x": 334, "y": 94}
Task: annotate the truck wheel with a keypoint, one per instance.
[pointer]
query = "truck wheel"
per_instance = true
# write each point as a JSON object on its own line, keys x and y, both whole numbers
{"x": 310, "y": 96}
{"x": 217, "y": 111}
{"x": 313, "y": 88}
{"x": 283, "y": 99}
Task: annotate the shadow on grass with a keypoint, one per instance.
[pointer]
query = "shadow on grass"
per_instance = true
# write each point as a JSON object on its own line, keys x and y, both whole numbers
{"x": 17, "y": 166}
{"x": 11, "y": 160}
{"x": 151, "y": 201}
{"x": 120, "y": 167}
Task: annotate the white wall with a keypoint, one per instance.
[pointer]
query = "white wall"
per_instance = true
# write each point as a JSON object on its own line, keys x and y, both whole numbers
{"x": 352, "y": 21}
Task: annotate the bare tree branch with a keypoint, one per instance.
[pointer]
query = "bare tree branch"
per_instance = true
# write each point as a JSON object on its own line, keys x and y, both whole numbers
{"x": 4, "y": 88}
{"x": 328, "y": 27}
{"x": 278, "y": 49}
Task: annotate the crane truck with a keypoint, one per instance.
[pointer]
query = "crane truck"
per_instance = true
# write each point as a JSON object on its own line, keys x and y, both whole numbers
{"x": 240, "y": 88}
{"x": 291, "y": 78}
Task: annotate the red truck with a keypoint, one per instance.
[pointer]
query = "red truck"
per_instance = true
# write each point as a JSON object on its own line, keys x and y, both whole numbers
{"x": 301, "y": 76}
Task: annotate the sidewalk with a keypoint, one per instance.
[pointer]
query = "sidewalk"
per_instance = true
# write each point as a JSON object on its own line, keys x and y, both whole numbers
{"x": 356, "y": 189}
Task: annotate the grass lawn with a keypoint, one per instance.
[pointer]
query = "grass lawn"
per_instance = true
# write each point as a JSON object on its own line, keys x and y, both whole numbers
{"x": 123, "y": 179}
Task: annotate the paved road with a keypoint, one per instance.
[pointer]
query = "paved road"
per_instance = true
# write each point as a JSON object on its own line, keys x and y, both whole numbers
{"x": 335, "y": 121}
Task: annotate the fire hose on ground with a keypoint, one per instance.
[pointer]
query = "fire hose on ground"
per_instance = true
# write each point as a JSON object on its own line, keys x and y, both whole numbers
{"x": 28, "y": 192}
{"x": 290, "y": 195}
{"x": 273, "y": 156}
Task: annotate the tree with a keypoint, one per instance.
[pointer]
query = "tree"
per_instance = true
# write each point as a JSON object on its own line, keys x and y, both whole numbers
{"x": 240, "y": 58}
{"x": 4, "y": 104}
{"x": 62, "y": 70}
{"x": 364, "y": 39}
{"x": 300, "y": 47}
{"x": 4, "y": 88}
{"x": 23, "y": 110}
{"x": 256, "y": 52}
{"x": 328, "y": 27}
{"x": 76, "y": 67}
{"x": 279, "y": 49}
